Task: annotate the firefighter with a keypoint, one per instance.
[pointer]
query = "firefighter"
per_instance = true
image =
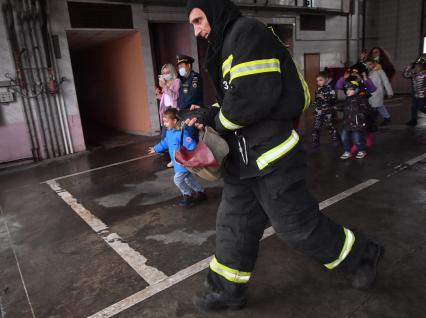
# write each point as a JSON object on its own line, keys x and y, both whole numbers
{"x": 191, "y": 88}
{"x": 260, "y": 91}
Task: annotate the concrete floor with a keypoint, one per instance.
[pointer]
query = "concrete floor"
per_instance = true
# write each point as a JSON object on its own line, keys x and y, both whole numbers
{"x": 70, "y": 252}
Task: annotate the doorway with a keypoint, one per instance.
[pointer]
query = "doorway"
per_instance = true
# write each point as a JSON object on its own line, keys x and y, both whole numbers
{"x": 110, "y": 83}
{"x": 312, "y": 68}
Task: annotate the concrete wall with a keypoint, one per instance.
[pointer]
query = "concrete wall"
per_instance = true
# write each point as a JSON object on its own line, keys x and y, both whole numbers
{"x": 14, "y": 136}
{"x": 59, "y": 23}
{"x": 399, "y": 34}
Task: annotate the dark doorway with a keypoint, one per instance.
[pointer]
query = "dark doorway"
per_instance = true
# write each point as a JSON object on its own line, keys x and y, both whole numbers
{"x": 110, "y": 83}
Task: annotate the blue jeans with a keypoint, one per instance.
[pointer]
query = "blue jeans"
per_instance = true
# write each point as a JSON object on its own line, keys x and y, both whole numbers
{"x": 356, "y": 137}
{"x": 187, "y": 184}
{"x": 419, "y": 104}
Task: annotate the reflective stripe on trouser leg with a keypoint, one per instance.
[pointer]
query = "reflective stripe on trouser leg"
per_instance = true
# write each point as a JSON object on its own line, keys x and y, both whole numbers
{"x": 349, "y": 242}
{"x": 228, "y": 273}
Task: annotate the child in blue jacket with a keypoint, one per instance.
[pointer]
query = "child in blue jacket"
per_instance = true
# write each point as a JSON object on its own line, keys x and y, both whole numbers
{"x": 191, "y": 189}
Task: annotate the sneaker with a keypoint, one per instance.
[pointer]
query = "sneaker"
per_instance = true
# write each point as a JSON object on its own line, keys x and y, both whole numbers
{"x": 364, "y": 276}
{"x": 411, "y": 123}
{"x": 361, "y": 155}
{"x": 187, "y": 201}
{"x": 212, "y": 300}
{"x": 200, "y": 197}
{"x": 170, "y": 164}
{"x": 386, "y": 122}
{"x": 346, "y": 155}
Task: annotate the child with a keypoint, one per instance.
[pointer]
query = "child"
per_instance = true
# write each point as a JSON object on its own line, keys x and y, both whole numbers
{"x": 381, "y": 81}
{"x": 354, "y": 121}
{"x": 417, "y": 73}
{"x": 191, "y": 189}
{"x": 325, "y": 98}
{"x": 366, "y": 88}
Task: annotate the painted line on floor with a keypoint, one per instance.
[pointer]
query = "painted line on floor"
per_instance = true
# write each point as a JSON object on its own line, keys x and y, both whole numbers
{"x": 407, "y": 164}
{"x": 202, "y": 265}
{"x": 136, "y": 260}
{"x": 99, "y": 168}
{"x": 17, "y": 264}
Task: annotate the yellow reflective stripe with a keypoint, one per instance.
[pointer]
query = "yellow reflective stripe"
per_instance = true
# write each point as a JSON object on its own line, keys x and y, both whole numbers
{"x": 255, "y": 67}
{"x": 306, "y": 91}
{"x": 226, "y": 66}
{"x": 268, "y": 157}
{"x": 227, "y": 123}
{"x": 349, "y": 242}
{"x": 228, "y": 273}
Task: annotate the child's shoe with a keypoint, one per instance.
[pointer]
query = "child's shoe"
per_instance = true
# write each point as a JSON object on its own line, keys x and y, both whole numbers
{"x": 170, "y": 164}
{"x": 187, "y": 201}
{"x": 361, "y": 155}
{"x": 346, "y": 155}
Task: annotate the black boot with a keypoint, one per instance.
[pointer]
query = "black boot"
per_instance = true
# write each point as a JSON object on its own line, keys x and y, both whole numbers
{"x": 364, "y": 276}
{"x": 212, "y": 300}
{"x": 200, "y": 197}
{"x": 187, "y": 201}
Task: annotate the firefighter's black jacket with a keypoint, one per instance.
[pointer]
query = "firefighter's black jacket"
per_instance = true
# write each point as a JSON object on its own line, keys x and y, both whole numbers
{"x": 260, "y": 91}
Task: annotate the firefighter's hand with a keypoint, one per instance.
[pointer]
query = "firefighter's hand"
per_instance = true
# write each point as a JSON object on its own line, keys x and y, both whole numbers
{"x": 193, "y": 122}
{"x": 151, "y": 151}
{"x": 194, "y": 107}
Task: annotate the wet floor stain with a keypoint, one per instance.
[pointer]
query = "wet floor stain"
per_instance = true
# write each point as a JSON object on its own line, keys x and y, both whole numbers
{"x": 181, "y": 236}
{"x": 149, "y": 192}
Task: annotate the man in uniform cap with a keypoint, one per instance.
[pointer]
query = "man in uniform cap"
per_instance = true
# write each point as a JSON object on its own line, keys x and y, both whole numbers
{"x": 191, "y": 88}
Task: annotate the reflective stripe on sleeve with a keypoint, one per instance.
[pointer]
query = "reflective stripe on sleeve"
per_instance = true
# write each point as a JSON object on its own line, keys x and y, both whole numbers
{"x": 349, "y": 242}
{"x": 228, "y": 273}
{"x": 255, "y": 67}
{"x": 268, "y": 157}
{"x": 227, "y": 123}
{"x": 226, "y": 66}
{"x": 306, "y": 91}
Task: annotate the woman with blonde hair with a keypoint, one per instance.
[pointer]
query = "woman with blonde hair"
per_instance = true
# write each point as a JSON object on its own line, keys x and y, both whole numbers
{"x": 167, "y": 93}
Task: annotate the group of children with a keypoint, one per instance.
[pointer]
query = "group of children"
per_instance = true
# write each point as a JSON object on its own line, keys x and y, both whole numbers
{"x": 364, "y": 101}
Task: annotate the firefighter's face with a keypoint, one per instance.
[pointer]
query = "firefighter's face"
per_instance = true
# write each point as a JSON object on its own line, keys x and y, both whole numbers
{"x": 200, "y": 23}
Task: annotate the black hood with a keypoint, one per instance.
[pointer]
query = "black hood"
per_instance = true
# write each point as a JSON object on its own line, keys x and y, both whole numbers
{"x": 221, "y": 14}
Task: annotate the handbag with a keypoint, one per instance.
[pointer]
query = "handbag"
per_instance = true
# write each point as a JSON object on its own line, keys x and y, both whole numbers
{"x": 207, "y": 158}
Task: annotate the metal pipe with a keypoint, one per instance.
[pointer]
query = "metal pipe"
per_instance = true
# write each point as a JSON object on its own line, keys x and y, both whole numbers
{"x": 45, "y": 131}
{"x": 60, "y": 96}
{"x": 43, "y": 65}
{"x": 48, "y": 53}
{"x": 37, "y": 59}
{"x": 9, "y": 23}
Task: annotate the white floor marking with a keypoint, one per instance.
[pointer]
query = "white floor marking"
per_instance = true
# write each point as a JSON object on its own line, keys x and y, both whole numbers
{"x": 200, "y": 266}
{"x": 99, "y": 168}
{"x": 407, "y": 164}
{"x": 17, "y": 264}
{"x": 413, "y": 161}
{"x": 137, "y": 261}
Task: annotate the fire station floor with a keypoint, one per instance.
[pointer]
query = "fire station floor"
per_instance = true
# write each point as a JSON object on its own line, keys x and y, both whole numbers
{"x": 100, "y": 234}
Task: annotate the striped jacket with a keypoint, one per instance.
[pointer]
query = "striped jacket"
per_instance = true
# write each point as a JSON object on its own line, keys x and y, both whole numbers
{"x": 261, "y": 91}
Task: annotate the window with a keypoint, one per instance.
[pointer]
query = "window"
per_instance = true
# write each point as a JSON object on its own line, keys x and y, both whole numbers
{"x": 312, "y": 22}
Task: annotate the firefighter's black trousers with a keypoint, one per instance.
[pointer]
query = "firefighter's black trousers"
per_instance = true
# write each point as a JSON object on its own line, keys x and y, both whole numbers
{"x": 245, "y": 209}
